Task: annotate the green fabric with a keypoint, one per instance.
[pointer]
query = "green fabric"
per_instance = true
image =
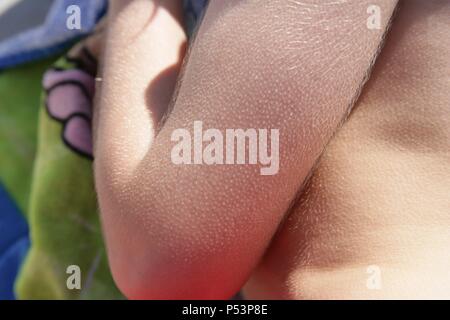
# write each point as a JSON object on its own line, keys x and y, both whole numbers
{"x": 20, "y": 92}
{"x": 62, "y": 207}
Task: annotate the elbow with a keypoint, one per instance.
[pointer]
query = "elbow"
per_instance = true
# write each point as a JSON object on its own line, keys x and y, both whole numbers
{"x": 169, "y": 281}
{"x": 154, "y": 254}
{"x": 148, "y": 268}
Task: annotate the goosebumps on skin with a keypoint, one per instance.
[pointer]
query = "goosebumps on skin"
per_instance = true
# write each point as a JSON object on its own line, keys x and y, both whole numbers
{"x": 380, "y": 194}
{"x": 198, "y": 231}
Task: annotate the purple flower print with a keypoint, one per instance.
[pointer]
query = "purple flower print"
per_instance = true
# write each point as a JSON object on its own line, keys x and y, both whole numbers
{"x": 69, "y": 100}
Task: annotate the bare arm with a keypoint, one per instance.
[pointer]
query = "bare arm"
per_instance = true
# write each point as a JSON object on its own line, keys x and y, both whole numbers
{"x": 198, "y": 231}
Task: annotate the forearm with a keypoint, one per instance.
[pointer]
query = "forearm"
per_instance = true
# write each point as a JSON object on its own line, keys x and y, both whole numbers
{"x": 143, "y": 53}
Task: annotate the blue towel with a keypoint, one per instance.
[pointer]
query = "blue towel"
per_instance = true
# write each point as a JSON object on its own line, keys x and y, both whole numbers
{"x": 53, "y": 36}
{"x": 14, "y": 243}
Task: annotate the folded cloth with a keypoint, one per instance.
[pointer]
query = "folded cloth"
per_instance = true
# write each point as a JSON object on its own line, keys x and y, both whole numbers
{"x": 19, "y": 107}
{"x": 20, "y": 89}
{"x": 53, "y": 37}
{"x": 63, "y": 215}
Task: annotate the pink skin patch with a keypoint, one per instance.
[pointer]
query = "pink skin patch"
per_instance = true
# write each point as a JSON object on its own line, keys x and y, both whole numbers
{"x": 69, "y": 100}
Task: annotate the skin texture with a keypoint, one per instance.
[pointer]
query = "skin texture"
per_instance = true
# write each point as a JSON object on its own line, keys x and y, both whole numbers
{"x": 198, "y": 231}
{"x": 379, "y": 195}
